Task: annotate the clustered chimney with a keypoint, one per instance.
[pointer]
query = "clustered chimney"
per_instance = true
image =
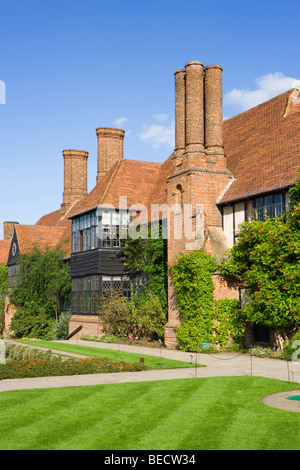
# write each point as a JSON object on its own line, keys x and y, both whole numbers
{"x": 110, "y": 149}
{"x": 198, "y": 114}
{"x": 75, "y": 178}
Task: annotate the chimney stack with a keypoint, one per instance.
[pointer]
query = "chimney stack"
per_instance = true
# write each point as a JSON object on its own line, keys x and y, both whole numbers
{"x": 179, "y": 113}
{"x": 213, "y": 110}
{"x": 8, "y": 230}
{"x": 75, "y": 178}
{"x": 110, "y": 149}
{"x": 198, "y": 116}
{"x": 194, "y": 107}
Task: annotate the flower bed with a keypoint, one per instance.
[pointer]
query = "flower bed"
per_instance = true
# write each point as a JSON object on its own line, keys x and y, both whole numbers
{"x": 45, "y": 364}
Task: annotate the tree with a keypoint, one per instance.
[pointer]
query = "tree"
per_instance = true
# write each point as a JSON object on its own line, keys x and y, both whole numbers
{"x": 45, "y": 285}
{"x": 266, "y": 261}
{"x": 3, "y": 292}
{"x": 147, "y": 255}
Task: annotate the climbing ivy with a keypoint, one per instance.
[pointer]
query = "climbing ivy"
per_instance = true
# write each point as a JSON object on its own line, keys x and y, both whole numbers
{"x": 193, "y": 284}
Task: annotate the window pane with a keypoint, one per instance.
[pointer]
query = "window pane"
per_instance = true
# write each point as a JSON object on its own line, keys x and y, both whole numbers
{"x": 278, "y": 204}
{"x": 269, "y": 208}
{"x": 259, "y": 207}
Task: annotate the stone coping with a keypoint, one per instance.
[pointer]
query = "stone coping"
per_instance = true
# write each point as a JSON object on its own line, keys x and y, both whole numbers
{"x": 280, "y": 400}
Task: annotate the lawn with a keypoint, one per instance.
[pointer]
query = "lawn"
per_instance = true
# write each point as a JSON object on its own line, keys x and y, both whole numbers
{"x": 150, "y": 362}
{"x": 188, "y": 414}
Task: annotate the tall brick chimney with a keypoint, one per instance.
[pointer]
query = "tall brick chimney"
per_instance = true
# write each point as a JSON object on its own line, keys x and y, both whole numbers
{"x": 110, "y": 148}
{"x": 75, "y": 178}
{"x": 213, "y": 110}
{"x": 8, "y": 229}
{"x": 179, "y": 115}
{"x": 194, "y": 109}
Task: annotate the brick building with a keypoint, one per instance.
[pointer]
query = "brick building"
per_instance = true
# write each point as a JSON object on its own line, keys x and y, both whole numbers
{"x": 220, "y": 171}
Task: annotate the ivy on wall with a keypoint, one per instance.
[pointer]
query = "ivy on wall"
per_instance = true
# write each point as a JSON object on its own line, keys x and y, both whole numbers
{"x": 201, "y": 318}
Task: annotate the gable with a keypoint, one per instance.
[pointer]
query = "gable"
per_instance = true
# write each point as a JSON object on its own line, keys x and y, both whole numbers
{"x": 14, "y": 250}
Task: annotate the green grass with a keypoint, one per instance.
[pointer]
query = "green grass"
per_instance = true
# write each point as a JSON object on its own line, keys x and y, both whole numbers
{"x": 151, "y": 362}
{"x": 196, "y": 414}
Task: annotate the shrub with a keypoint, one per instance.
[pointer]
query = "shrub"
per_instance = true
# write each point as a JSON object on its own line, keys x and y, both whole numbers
{"x": 143, "y": 316}
{"x": 229, "y": 322}
{"x": 148, "y": 316}
{"x": 61, "y": 326}
{"x": 104, "y": 338}
{"x": 44, "y": 286}
{"x": 32, "y": 321}
{"x": 290, "y": 347}
{"x": 116, "y": 314}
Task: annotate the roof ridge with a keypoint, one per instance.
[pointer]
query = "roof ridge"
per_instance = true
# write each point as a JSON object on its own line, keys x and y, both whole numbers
{"x": 291, "y": 90}
{"x": 110, "y": 180}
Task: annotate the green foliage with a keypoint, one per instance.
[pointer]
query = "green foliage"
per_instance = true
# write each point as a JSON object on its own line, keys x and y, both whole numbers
{"x": 104, "y": 338}
{"x": 3, "y": 292}
{"x": 149, "y": 316}
{"x": 147, "y": 255}
{"x": 28, "y": 362}
{"x": 295, "y": 194}
{"x": 116, "y": 314}
{"x": 292, "y": 346}
{"x": 193, "y": 284}
{"x": 45, "y": 285}
{"x": 266, "y": 261}
{"x": 229, "y": 322}
{"x": 142, "y": 317}
{"x": 32, "y": 321}
{"x": 61, "y": 326}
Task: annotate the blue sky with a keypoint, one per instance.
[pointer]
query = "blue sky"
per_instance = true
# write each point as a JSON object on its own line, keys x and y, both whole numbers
{"x": 68, "y": 67}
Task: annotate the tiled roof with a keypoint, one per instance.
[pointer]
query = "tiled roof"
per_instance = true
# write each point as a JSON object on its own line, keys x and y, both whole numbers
{"x": 50, "y": 220}
{"x": 262, "y": 146}
{"x": 30, "y": 235}
{"x": 132, "y": 178}
{"x": 4, "y": 250}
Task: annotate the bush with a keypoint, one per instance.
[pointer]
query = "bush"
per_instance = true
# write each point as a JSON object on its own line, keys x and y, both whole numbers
{"x": 229, "y": 322}
{"x": 289, "y": 350}
{"x": 104, "y": 338}
{"x": 61, "y": 326}
{"x": 148, "y": 316}
{"x": 116, "y": 315}
{"x": 142, "y": 317}
{"x": 32, "y": 321}
{"x": 44, "y": 286}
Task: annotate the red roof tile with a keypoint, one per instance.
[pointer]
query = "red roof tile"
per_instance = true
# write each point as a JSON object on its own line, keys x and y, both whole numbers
{"x": 262, "y": 148}
{"x": 31, "y": 235}
{"x": 4, "y": 250}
